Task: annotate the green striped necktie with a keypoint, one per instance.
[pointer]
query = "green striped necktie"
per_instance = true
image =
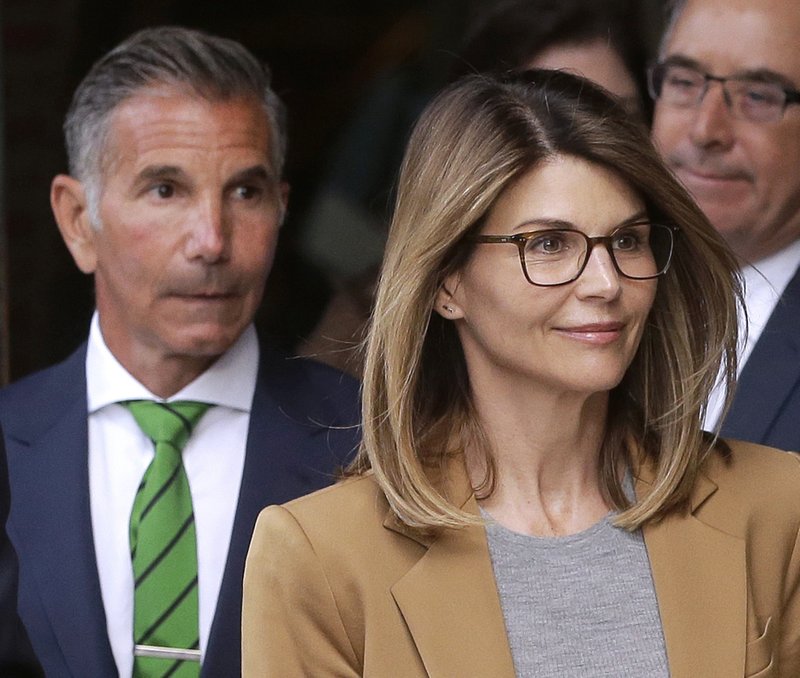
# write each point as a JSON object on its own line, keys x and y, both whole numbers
{"x": 164, "y": 547}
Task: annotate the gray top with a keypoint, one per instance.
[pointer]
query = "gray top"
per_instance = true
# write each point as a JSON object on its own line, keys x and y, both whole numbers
{"x": 583, "y": 605}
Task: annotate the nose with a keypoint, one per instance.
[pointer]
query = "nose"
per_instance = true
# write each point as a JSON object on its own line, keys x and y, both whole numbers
{"x": 712, "y": 124}
{"x": 600, "y": 278}
{"x": 208, "y": 238}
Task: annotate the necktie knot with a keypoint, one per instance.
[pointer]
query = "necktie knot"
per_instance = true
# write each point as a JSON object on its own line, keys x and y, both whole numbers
{"x": 167, "y": 422}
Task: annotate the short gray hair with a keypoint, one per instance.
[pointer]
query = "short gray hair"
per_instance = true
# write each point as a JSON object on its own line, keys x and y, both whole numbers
{"x": 211, "y": 67}
{"x": 673, "y": 9}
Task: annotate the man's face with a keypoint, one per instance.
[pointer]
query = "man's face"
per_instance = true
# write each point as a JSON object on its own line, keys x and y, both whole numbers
{"x": 190, "y": 210}
{"x": 744, "y": 175}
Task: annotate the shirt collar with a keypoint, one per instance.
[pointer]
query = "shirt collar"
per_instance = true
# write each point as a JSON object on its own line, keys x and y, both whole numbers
{"x": 230, "y": 381}
{"x": 772, "y": 274}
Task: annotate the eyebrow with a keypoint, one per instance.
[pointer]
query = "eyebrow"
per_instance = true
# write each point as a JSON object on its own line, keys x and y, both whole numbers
{"x": 562, "y": 224}
{"x": 159, "y": 172}
{"x": 255, "y": 174}
{"x": 766, "y": 75}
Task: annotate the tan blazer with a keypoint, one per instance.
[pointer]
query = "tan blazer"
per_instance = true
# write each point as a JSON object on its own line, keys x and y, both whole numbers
{"x": 335, "y": 585}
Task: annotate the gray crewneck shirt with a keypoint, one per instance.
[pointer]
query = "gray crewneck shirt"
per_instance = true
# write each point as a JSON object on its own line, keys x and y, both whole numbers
{"x": 581, "y": 606}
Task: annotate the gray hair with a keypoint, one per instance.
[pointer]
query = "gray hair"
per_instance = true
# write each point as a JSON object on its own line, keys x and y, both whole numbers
{"x": 673, "y": 9}
{"x": 211, "y": 67}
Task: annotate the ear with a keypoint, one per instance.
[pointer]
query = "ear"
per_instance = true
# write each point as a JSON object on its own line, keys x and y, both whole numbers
{"x": 447, "y": 304}
{"x": 71, "y": 210}
{"x": 283, "y": 197}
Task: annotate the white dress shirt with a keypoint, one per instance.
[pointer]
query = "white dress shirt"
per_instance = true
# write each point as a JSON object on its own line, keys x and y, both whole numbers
{"x": 119, "y": 453}
{"x": 764, "y": 283}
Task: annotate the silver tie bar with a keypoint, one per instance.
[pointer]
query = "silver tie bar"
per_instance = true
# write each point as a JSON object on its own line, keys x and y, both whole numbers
{"x": 166, "y": 653}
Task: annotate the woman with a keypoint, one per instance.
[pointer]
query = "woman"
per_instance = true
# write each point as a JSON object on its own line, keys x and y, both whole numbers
{"x": 534, "y": 495}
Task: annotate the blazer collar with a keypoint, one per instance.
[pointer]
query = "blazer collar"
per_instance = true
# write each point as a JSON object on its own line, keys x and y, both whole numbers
{"x": 454, "y": 613}
{"x": 699, "y": 573}
{"x": 686, "y": 557}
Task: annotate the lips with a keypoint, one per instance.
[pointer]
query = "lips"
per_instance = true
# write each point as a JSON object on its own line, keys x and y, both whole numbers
{"x": 707, "y": 171}
{"x": 711, "y": 176}
{"x": 594, "y": 333}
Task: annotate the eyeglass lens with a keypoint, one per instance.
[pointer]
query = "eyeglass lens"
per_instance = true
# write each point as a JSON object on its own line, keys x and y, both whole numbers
{"x": 640, "y": 251}
{"x": 750, "y": 99}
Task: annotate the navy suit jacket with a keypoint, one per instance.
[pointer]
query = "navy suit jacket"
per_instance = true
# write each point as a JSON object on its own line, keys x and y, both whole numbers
{"x": 302, "y": 429}
{"x": 16, "y": 656}
{"x": 766, "y": 408}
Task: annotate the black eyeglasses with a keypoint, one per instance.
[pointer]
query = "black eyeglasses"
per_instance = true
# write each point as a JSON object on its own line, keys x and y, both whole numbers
{"x": 557, "y": 256}
{"x": 748, "y": 98}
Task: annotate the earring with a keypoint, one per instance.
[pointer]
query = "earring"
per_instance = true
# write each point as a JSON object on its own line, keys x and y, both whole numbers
{"x": 448, "y": 308}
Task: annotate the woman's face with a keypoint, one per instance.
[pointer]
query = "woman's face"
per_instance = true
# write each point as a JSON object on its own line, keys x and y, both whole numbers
{"x": 575, "y": 338}
{"x": 597, "y": 61}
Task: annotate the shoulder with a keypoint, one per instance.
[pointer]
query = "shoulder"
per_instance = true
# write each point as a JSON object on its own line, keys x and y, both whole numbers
{"x": 356, "y": 505}
{"x": 343, "y": 525}
{"x": 304, "y": 386}
{"x": 755, "y": 487}
{"x": 32, "y": 401}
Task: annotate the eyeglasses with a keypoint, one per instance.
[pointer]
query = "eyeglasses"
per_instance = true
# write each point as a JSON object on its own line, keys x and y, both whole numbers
{"x": 748, "y": 98}
{"x": 557, "y": 256}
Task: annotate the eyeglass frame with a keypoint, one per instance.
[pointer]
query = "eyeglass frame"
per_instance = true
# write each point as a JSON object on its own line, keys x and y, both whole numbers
{"x": 521, "y": 239}
{"x": 791, "y": 96}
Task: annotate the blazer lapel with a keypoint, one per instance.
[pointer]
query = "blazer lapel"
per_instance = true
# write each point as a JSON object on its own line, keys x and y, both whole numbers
{"x": 57, "y": 549}
{"x": 771, "y": 372}
{"x": 278, "y": 467}
{"x": 685, "y": 557}
{"x": 454, "y": 613}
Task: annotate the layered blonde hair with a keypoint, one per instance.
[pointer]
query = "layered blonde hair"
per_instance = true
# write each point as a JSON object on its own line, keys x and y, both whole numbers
{"x": 471, "y": 143}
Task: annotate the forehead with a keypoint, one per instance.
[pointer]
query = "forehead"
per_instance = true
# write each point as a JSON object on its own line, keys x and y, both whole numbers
{"x": 729, "y": 36}
{"x": 167, "y": 120}
{"x": 569, "y": 189}
{"x": 595, "y": 60}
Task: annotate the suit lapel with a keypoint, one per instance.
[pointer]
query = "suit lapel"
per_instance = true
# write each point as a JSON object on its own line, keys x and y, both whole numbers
{"x": 463, "y": 601}
{"x": 279, "y": 466}
{"x": 254, "y": 493}
{"x": 771, "y": 372}
{"x": 54, "y": 516}
{"x": 685, "y": 557}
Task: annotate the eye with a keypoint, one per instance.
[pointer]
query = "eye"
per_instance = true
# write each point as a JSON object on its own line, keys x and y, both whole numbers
{"x": 682, "y": 78}
{"x": 247, "y": 192}
{"x": 547, "y": 244}
{"x": 164, "y": 190}
{"x": 761, "y": 94}
{"x": 629, "y": 241}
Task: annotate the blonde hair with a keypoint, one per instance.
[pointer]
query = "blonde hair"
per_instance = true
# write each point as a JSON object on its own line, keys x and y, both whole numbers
{"x": 472, "y": 142}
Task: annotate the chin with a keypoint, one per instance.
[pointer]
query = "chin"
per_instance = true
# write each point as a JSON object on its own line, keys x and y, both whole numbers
{"x": 206, "y": 344}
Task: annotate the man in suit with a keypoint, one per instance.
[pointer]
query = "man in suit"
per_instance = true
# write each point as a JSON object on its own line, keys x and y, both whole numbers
{"x": 727, "y": 120}
{"x": 173, "y": 203}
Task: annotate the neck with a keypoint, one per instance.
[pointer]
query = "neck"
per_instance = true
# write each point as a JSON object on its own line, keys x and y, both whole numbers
{"x": 165, "y": 377}
{"x": 546, "y": 451}
{"x": 161, "y": 374}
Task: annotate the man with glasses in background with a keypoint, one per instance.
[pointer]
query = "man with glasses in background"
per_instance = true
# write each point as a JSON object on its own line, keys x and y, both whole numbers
{"x": 727, "y": 121}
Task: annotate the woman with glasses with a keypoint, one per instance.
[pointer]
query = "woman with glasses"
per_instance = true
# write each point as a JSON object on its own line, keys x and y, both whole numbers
{"x": 534, "y": 495}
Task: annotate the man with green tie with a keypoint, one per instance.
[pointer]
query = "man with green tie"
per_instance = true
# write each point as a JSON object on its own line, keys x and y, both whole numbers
{"x": 138, "y": 466}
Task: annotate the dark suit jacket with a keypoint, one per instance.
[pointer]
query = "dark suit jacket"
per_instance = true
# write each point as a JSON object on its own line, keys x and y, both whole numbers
{"x": 16, "y": 656}
{"x": 301, "y": 431}
{"x": 766, "y": 408}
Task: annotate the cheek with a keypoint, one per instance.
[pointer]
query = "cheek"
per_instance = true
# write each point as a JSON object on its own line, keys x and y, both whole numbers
{"x": 254, "y": 253}
{"x": 668, "y": 128}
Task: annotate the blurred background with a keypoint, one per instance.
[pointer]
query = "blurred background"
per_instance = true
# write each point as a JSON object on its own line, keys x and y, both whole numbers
{"x": 354, "y": 75}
